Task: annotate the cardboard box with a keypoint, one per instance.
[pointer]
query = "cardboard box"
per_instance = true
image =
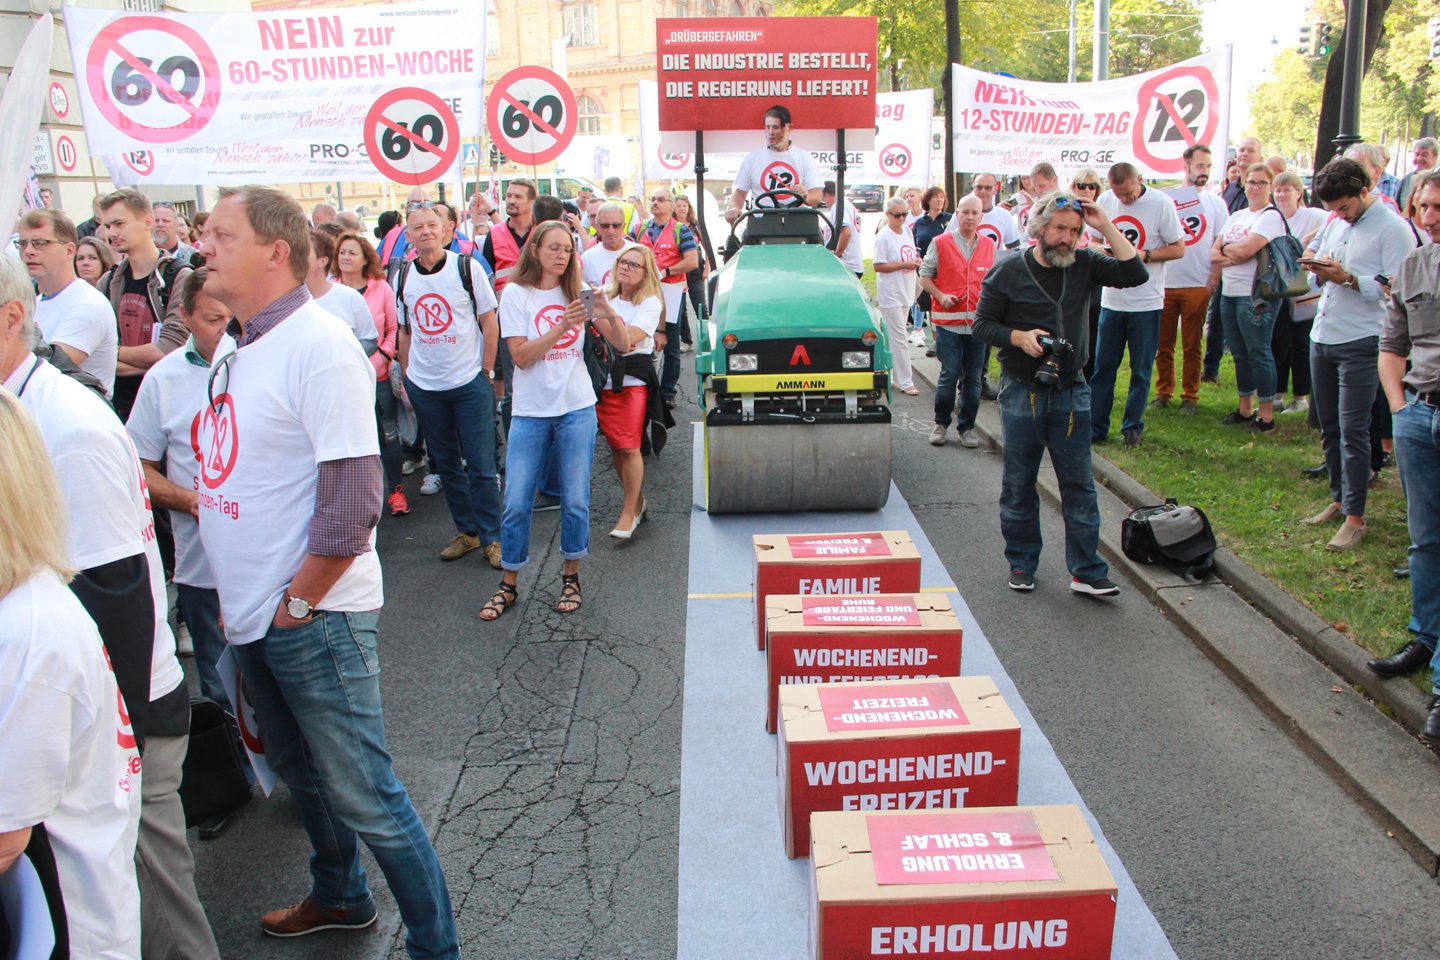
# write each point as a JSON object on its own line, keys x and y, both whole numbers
{"x": 902, "y": 745}
{"x": 828, "y": 563}
{"x": 1024, "y": 883}
{"x": 886, "y": 636}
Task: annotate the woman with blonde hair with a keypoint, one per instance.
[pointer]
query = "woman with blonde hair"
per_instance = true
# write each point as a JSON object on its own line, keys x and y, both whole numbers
{"x": 553, "y": 400}
{"x": 62, "y": 724}
{"x": 633, "y": 301}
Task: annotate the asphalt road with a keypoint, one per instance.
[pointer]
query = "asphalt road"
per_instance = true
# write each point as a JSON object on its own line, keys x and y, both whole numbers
{"x": 544, "y": 750}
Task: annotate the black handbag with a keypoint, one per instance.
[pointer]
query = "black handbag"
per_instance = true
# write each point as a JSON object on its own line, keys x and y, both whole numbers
{"x": 213, "y": 782}
{"x": 603, "y": 362}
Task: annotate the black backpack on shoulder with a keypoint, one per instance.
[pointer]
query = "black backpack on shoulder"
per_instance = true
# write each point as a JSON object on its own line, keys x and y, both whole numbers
{"x": 1171, "y": 535}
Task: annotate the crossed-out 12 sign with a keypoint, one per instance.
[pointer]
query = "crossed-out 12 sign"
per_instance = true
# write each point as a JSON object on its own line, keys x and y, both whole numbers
{"x": 153, "y": 79}
{"x": 672, "y": 161}
{"x": 1178, "y": 108}
{"x": 532, "y": 115}
{"x": 141, "y": 161}
{"x": 412, "y": 136}
{"x": 1194, "y": 225}
{"x": 1132, "y": 229}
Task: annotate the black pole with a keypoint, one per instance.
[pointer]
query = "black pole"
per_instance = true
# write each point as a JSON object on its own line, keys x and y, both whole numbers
{"x": 952, "y": 56}
{"x": 700, "y": 196}
{"x": 1353, "y": 52}
{"x": 840, "y": 166}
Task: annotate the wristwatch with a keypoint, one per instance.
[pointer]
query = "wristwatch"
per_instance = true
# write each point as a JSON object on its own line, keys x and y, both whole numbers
{"x": 297, "y": 607}
{"x": 491, "y": 374}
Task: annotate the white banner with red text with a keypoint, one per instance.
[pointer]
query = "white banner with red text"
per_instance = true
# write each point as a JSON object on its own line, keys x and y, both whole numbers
{"x": 349, "y": 93}
{"x": 1006, "y": 126}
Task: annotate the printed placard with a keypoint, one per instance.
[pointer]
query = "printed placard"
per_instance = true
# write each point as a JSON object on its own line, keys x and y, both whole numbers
{"x": 958, "y": 847}
{"x": 832, "y": 545}
{"x": 891, "y": 707}
{"x": 859, "y": 612}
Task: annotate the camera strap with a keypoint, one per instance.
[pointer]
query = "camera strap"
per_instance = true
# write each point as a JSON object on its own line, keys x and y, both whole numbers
{"x": 1064, "y": 279}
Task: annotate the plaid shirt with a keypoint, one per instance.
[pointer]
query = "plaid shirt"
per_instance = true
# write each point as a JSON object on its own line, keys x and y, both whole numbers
{"x": 349, "y": 491}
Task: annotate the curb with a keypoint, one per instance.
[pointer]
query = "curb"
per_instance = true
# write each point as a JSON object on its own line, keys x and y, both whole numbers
{"x": 1287, "y": 660}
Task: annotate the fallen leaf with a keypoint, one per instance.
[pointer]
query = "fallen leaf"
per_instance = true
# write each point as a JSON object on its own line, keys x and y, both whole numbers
{"x": 1337, "y": 689}
{"x": 1343, "y": 627}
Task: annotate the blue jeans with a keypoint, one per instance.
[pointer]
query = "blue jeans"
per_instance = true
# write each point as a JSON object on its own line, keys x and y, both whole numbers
{"x": 387, "y": 408}
{"x": 201, "y": 609}
{"x": 670, "y": 369}
{"x": 1034, "y": 419}
{"x": 1417, "y": 452}
{"x": 1248, "y": 331}
{"x": 1139, "y": 330}
{"x": 962, "y": 361}
{"x": 316, "y": 693}
{"x": 1214, "y": 339}
{"x": 460, "y": 422}
{"x": 564, "y": 445}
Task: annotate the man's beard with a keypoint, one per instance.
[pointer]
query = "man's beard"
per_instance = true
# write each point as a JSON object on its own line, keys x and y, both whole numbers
{"x": 1059, "y": 257}
{"x": 1201, "y": 180}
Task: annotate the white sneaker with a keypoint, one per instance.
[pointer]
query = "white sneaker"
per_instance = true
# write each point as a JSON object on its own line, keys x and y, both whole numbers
{"x": 1294, "y": 406}
{"x": 410, "y": 466}
{"x": 431, "y": 484}
{"x": 937, "y": 435}
{"x": 184, "y": 646}
{"x": 917, "y": 339}
{"x": 968, "y": 440}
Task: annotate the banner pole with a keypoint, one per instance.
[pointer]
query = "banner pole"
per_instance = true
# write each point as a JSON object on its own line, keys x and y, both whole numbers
{"x": 700, "y": 169}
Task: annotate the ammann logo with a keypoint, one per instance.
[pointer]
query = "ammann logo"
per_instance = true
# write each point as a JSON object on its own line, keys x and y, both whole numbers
{"x": 800, "y": 385}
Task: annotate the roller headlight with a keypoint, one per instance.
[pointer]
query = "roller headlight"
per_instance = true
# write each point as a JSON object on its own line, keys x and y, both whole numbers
{"x": 744, "y": 362}
{"x": 855, "y": 360}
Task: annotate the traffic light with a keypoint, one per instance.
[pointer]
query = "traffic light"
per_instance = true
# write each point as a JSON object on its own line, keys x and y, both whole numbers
{"x": 1304, "y": 49}
{"x": 1323, "y": 40}
{"x": 1434, "y": 32}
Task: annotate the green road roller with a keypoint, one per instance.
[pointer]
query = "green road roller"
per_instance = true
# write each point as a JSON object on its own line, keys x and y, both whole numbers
{"x": 793, "y": 368}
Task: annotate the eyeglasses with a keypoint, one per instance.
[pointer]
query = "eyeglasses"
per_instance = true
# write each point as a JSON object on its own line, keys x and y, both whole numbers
{"x": 895, "y": 215}
{"x": 1087, "y": 186}
{"x": 37, "y": 244}
{"x": 661, "y": 200}
{"x": 1257, "y": 183}
{"x": 632, "y": 264}
{"x": 610, "y": 226}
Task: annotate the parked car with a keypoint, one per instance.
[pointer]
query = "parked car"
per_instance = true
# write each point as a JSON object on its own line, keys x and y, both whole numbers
{"x": 866, "y": 196}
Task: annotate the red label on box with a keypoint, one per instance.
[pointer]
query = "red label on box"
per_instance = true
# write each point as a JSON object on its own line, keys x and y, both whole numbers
{"x": 834, "y": 545}
{"x": 859, "y": 612}
{"x": 891, "y": 707}
{"x": 976, "y": 847}
{"x": 1080, "y": 927}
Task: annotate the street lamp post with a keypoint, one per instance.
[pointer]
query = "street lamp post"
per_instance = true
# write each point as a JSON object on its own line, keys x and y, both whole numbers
{"x": 1100, "y": 65}
{"x": 1353, "y": 52}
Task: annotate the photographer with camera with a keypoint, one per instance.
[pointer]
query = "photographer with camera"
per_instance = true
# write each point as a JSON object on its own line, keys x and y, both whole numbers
{"x": 1036, "y": 309}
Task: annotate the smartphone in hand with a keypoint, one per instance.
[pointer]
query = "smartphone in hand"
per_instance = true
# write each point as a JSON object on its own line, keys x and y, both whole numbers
{"x": 587, "y": 300}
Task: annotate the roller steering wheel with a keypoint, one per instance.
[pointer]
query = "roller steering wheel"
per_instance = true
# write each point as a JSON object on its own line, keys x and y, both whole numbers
{"x": 796, "y": 196}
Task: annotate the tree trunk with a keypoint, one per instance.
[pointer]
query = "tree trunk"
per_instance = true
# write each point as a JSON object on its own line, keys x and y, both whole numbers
{"x": 1329, "y": 124}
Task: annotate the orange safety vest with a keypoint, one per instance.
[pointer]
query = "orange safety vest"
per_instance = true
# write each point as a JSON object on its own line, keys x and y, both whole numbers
{"x": 507, "y": 254}
{"x": 666, "y": 248}
{"x": 960, "y": 278}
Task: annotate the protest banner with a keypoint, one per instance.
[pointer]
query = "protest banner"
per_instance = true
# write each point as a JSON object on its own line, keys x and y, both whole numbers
{"x": 1004, "y": 125}
{"x": 721, "y": 74}
{"x": 21, "y": 106}
{"x": 242, "y": 96}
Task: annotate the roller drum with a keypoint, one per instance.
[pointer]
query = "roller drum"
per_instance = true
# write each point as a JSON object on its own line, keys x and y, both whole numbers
{"x": 776, "y": 468}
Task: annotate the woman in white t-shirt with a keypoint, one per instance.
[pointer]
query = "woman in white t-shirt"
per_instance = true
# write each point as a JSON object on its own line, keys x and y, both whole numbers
{"x": 552, "y": 404}
{"x": 634, "y": 301}
{"x": 1249, "y": 324}
{"x": 1290, "y": 343}
{"x": 66, "y": 745}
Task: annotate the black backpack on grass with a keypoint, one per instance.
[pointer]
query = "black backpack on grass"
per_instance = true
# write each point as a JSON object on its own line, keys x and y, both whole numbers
{"x": 1177, "y": 537}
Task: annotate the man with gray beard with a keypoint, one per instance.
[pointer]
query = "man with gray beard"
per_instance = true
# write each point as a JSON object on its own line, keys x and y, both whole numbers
{"x": 1036, "y": 309}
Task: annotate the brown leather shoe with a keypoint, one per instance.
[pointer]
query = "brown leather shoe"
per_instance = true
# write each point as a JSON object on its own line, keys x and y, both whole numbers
{"x": 492, "y": 554}
{"x": 461, "y": 545}
{"x": 307, "y": 916}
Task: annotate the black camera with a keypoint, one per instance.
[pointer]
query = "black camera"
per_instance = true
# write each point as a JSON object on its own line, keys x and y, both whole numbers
{"x": 1058, "y": 352}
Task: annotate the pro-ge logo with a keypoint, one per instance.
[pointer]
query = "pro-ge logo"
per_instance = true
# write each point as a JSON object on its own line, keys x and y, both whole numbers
{"x": 550, "y": 317}
{"x": 433, "y": 314}
{"x": 215, "y": 438}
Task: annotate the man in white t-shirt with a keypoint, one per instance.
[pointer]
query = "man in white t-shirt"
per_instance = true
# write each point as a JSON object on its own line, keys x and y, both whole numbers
{"x": 1043, "y": 182}
{"x": 338, "y": 299}
{"x": 995, "y": 221}
{"x": 121, "y": 584}
{"x": 71, "y": 314}
{"x": 447, "y": 344}
{"x": 598, "y": 262}
{"x": 291, "y": 490}
{"x": 847, "y": 247}
{"x": 896, "y": 261}
{"x": 1189, "y": 282}
{"x": 779, "y": 165}
{"x": 1130, "y": 318}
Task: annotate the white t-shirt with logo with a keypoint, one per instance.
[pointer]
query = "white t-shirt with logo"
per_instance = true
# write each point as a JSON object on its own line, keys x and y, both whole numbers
{"x": 895, "y": 288}
{"x": 597, "y": 263}
{"x": 70, "y": 761}
{"x": 79, "y": 316}
{"x": 1150, "y": 222}
{"x": 645, "y": 316}
{"x": 1201, "y": 214}
{"x": 852, "y": 257}
{"x": 446, "y": 347}
{"x": 1237, "y": 281}
{"x": 764, "y": 170}
{"x": 999, "y": 225}
{"x": 301, "y": 395}
{"x": 557, "y": 383}
{"x": 165, "y": 425}
{"x": 107, "y": 501}
{"x": 350, "y": 306}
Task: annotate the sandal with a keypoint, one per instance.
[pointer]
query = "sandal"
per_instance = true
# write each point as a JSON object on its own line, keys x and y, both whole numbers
{"x": 570, "y": 598}
{"x": 503, "y": 599}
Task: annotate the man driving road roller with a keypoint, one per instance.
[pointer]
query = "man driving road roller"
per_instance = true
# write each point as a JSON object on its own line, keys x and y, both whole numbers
{"x": 778, "y": 165}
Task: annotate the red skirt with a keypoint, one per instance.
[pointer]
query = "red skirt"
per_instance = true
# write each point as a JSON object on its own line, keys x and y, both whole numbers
{"x": 622, "y": 416}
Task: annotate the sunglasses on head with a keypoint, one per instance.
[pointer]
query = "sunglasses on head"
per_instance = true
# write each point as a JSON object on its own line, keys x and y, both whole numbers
{"x": 1074, "y": 203}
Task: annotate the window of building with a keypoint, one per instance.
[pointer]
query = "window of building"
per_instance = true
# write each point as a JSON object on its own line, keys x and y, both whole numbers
{"x": 682, "y": 8}
{"x": 712, "y": 8}
{"x": 590, "y": 115}
{"x": 492, "y": 33}
{"x": 581, "y": 24}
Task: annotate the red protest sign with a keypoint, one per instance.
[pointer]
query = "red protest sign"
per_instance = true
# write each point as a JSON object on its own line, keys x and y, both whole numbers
{"x": 1178, "y": 108}
{"x": 532, "y": 115}
{"x": 141, "y": 161}
{"x": 881, "y": 706}
{"x": 867, "y": 611}
{"x": 723, "y": 73}
{"x": 412, "y": 136}
{"x": 153, "y": 78}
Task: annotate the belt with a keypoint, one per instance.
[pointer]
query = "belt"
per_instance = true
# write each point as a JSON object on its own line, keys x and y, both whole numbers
{"x": 1433, "y": 399}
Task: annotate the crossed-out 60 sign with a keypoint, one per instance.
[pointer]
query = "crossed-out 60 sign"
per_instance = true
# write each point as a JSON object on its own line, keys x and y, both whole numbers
{"x": 154, "y": 79}
{"x": 532, "y": 115}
